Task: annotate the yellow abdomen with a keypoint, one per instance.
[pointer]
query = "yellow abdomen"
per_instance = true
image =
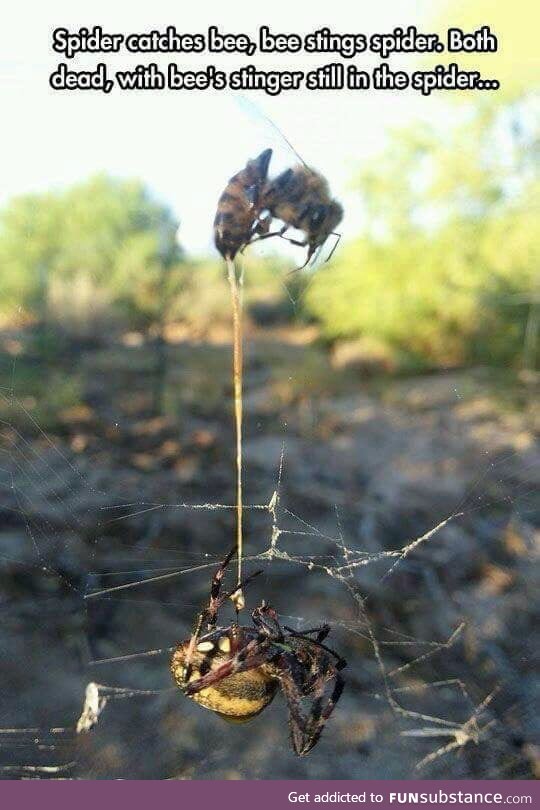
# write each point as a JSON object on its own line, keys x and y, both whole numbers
{"x": 238, "y": 697}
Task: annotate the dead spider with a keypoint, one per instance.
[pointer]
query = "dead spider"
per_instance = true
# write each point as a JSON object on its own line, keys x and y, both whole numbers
{"x": 236, "y": 671}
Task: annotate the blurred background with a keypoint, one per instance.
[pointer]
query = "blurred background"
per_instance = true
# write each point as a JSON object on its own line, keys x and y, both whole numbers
{"x": 401, "y": 378}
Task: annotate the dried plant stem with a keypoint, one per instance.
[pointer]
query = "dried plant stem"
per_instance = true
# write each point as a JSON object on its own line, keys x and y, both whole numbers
{"x": 236, "y": 284}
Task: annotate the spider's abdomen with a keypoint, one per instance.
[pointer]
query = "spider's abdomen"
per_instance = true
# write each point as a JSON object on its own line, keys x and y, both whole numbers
{"x": 238, "y": 697}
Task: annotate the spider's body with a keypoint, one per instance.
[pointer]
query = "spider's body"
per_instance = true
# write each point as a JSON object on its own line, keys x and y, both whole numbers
{"x": 237, "y": 697}
{"x": 236, "y": 671}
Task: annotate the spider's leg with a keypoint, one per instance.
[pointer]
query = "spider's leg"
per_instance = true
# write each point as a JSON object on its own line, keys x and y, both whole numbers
{"x": 217, "y": 599}
{"x": 320, "y": 712}
{"x": 210, "y": 612}
{"x": 322, "y": 631}
{"x": 238, "y": 587}
{"x": 266, "y": 621}
{"x": 305, "y": 731}
{"x": 297, "y": 721}
{"x": 251, "y": 656}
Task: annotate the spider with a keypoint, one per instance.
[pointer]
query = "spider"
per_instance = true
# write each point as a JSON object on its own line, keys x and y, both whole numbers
{"x": 235, "y": 671}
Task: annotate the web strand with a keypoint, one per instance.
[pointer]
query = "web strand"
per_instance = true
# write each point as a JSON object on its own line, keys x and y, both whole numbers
{"x": 236, "y": 285}
{"x": 54, "y": 497}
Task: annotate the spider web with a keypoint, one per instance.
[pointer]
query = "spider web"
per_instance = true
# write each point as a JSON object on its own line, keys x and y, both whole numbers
{"x": 90, "y": 588}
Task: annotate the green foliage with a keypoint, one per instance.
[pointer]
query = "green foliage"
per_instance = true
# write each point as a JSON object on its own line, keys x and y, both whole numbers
{"x": 204, "y": 298}
{"x": 108, "y": 232}
{"x": 444, "y": 272}
{"x": 29, "y": 240}
{"x": 447, "y": 269}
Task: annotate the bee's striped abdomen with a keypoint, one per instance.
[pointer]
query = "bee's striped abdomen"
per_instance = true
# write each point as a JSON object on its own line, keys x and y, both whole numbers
{"x": 239, "y": 206}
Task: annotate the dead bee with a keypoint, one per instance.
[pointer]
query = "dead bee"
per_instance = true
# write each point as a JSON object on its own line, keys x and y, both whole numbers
{"x": 300, "y": 197}
{"x": 239, "y": 206}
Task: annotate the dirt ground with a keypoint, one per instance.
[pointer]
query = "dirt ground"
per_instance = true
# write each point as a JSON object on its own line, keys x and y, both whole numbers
{"x": 92, "y": 480}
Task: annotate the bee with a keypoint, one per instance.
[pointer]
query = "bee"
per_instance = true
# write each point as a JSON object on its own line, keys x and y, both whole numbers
{"x": 300, "y": 197}
{"x": 239, "y": 206}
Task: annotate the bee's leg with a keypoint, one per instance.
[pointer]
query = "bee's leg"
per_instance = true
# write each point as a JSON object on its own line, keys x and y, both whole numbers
{"x": 260, "y": 236}
{"x": 259, "y": 230}
{"x": 261, "y": 224}
{"x": 297, "y": 242}
{"x": 297, "y": 269}
{"x": 312, "y": 250}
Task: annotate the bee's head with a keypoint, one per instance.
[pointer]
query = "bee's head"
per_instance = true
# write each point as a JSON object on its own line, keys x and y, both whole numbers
{"x": 324, "y": 219}
{"x": 334, "y": 215}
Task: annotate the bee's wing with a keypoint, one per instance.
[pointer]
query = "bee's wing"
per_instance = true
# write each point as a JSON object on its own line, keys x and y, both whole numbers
{"x": 266, "y": 131}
